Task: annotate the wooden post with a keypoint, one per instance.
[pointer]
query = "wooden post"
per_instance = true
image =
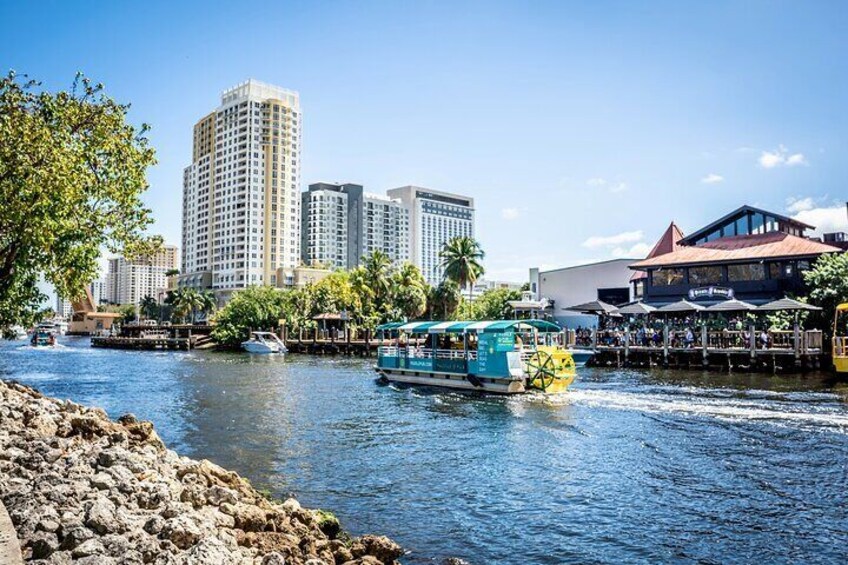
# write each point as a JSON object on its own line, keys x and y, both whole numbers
{"x": 626, "y": 342}
{"x": 665, "y": 342}
{"x": 595, "y": 339}
{"x": 796, "y": 340}
{"x": 752, "y": 339}
{"x": 704, "y": 345}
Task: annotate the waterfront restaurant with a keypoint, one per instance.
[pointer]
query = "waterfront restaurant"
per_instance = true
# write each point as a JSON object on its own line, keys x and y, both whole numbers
{"x": 749, "y": 254}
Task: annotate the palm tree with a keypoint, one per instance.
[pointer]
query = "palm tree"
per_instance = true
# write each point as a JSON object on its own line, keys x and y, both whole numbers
{"x": 409, "y": 291}
{"x": 185, "y": 301}
{"x": 148, "y": 307}
{"x": 461, "y": 259}
{"x": 378, "y": 270}
{"x": 207, "y": 302}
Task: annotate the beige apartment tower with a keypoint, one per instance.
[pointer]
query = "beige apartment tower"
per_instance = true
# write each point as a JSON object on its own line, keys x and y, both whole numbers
{"x": 241, "y": 203}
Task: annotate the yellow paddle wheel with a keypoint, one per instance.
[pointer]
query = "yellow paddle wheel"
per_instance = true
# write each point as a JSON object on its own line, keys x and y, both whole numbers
{"x": 550, "y": 369}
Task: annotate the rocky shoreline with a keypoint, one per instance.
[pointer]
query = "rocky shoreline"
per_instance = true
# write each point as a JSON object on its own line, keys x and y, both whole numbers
{"x": 81, "y": 488}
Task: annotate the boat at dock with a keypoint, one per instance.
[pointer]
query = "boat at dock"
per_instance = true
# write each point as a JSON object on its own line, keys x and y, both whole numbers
{"x": 502, "y": 356}
{"x": 264, "y": 342}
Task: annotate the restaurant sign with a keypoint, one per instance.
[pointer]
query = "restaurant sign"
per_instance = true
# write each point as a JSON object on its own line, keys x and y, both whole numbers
{"x": 710, "y": 293}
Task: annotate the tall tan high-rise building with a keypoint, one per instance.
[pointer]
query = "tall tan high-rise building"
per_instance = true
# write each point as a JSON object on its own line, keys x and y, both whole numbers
{"x": 241, "y": 203}
{"x": 131, "y": 279}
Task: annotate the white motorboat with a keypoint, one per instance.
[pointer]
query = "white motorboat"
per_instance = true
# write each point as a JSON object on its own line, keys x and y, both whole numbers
{"x": 264, "y": 342}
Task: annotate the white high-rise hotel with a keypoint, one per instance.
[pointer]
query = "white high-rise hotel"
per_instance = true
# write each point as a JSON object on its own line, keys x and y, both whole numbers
{"x": 435, "y": 218}
{"x": 241, "y": 202}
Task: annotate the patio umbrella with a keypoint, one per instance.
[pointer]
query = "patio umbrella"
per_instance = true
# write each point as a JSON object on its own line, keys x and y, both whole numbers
{"x": 679, "y": 307}
{"x": 731, "y": 305}
{"x": 595, "y": 307}
{"x": 637, "y": 308}
{"x": 787, "y": 304}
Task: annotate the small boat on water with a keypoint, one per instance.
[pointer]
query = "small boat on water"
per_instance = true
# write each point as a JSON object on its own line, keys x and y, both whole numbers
{"x": 503, "y": 356}
{"x": 42, "y": 338}
{"x": 264, "y": 342}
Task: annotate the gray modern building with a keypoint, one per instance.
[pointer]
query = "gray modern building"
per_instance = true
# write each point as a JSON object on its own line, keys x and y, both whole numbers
{"x": 608, "y": 281}
{"x": 341, "y": 223}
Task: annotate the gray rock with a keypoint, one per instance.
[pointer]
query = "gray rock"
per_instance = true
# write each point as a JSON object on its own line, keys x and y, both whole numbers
{"x": 88, "y": 548}
{"x": 273, "y": 558}
{"x": 102, "y": 481}
{"x": 182, "y": 531}
{"x": 100, "y": 515}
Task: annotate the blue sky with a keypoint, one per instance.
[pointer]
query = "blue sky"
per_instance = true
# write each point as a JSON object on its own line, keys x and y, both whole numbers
{"x": 581, "y": 129}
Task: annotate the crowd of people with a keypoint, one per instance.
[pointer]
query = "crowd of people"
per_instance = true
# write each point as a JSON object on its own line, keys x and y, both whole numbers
{"x": 683, "y": 332}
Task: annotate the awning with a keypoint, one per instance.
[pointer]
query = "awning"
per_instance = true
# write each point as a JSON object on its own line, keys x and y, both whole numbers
{"x": 449, "y": 327}
{"x": 389, "y": 326}
{"x": 417, "y": 327}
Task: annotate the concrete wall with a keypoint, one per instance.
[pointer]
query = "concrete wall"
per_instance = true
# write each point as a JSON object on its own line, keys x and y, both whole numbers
{"x": 575, "y": 285}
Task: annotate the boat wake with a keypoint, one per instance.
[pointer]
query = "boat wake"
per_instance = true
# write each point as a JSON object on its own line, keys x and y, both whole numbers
{"x": 56, "y": 347}
{"x": 812, "y": 413}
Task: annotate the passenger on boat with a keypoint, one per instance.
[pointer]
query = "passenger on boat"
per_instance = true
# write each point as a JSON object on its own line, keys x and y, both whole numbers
{"x": 689, "y": 340}
{"x": 519, "y": 344}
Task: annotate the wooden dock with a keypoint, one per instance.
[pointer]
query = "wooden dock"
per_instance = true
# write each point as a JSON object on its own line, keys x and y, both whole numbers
{"x": 143, "y": 343}
{"x": 150, "y": 338}
{"x": 333, "y": 342}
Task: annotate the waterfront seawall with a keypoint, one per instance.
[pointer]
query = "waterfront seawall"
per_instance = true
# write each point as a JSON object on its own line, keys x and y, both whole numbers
{"x": 81, "y": 488}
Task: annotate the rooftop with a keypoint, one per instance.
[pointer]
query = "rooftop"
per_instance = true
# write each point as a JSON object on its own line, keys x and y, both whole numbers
{"x": 772, "y": 245}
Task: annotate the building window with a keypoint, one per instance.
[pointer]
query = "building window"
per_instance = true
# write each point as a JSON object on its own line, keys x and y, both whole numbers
{"x": 699, "y": 276}
{"x": 668, "y": 277}
{"x": 746, "y": 272}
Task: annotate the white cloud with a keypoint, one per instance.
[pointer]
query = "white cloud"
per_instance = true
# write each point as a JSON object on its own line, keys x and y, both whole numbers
{"x": 712, "y": 178}
{"x": 781, "y": 157}
{"x": 618, "y": 187}
{"x": 636, "y": 251}
{"x": 796, "y": 159}
{"x": 597, "y": 181}
{"x": 510, "y": 213}
{"x": 614, "y": 187}
{"x": 795, "y": 205}
{"x": 613, "y": 240}
{"x": 824, "y": 219}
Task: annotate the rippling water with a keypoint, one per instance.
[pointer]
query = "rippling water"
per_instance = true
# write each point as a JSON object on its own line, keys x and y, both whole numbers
{"x": 627, "y": 467}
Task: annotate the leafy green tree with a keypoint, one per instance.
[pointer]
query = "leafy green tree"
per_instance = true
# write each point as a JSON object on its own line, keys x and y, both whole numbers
{"x": 72, "y": 172}
{"x": 127, "y": 312}
{"x": 257, "y": 308}
{"x": 493, "y": 304}
{"x": 443, "y": 301}
{"x": 461, "y": 260}
{"x": 206, "y": 302}
{"x": 828, "y": 284}
{"x": 409, "y": 292}
{"x": 172, "y": 272}
{"x": 149, "y": 307}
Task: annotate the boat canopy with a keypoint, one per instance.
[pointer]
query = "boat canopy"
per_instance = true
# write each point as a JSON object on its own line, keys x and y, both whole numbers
{"x": 492, "y": 326}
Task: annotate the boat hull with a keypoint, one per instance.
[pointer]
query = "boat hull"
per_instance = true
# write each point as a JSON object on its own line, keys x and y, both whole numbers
{"x": 253, "y": 347}
{"x": 453, "y": 380}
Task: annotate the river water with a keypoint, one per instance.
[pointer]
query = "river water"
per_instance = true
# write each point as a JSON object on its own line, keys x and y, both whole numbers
{"x": 629, "y": 466}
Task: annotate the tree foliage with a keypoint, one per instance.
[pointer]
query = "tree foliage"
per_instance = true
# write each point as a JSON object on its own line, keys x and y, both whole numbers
{"x": 72, "y": 171}
{"x": 491, "y": 305}
{"x": 255, "y": 308}
{"x": 828, "y": 284}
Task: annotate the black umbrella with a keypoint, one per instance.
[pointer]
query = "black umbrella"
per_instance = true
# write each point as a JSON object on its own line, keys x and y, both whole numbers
{"x": 679, "y": 307}
{"x": 595, "y": 307}
{"x": 732, "y": 305}
{"x": 637, "y": 308}
{"x": 787, "y": 304}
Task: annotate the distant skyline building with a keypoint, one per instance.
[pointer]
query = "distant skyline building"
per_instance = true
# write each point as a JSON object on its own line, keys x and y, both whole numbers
{"x": 341, "y": 223}
{"x": 435, "y": 218}
{"x": 241, "y": 201}
{"x": 129, "y": 280}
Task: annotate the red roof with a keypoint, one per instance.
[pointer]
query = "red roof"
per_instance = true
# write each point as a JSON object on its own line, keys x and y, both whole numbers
{"x": 668, "y": 243}
{"x": 773, "y": 245}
